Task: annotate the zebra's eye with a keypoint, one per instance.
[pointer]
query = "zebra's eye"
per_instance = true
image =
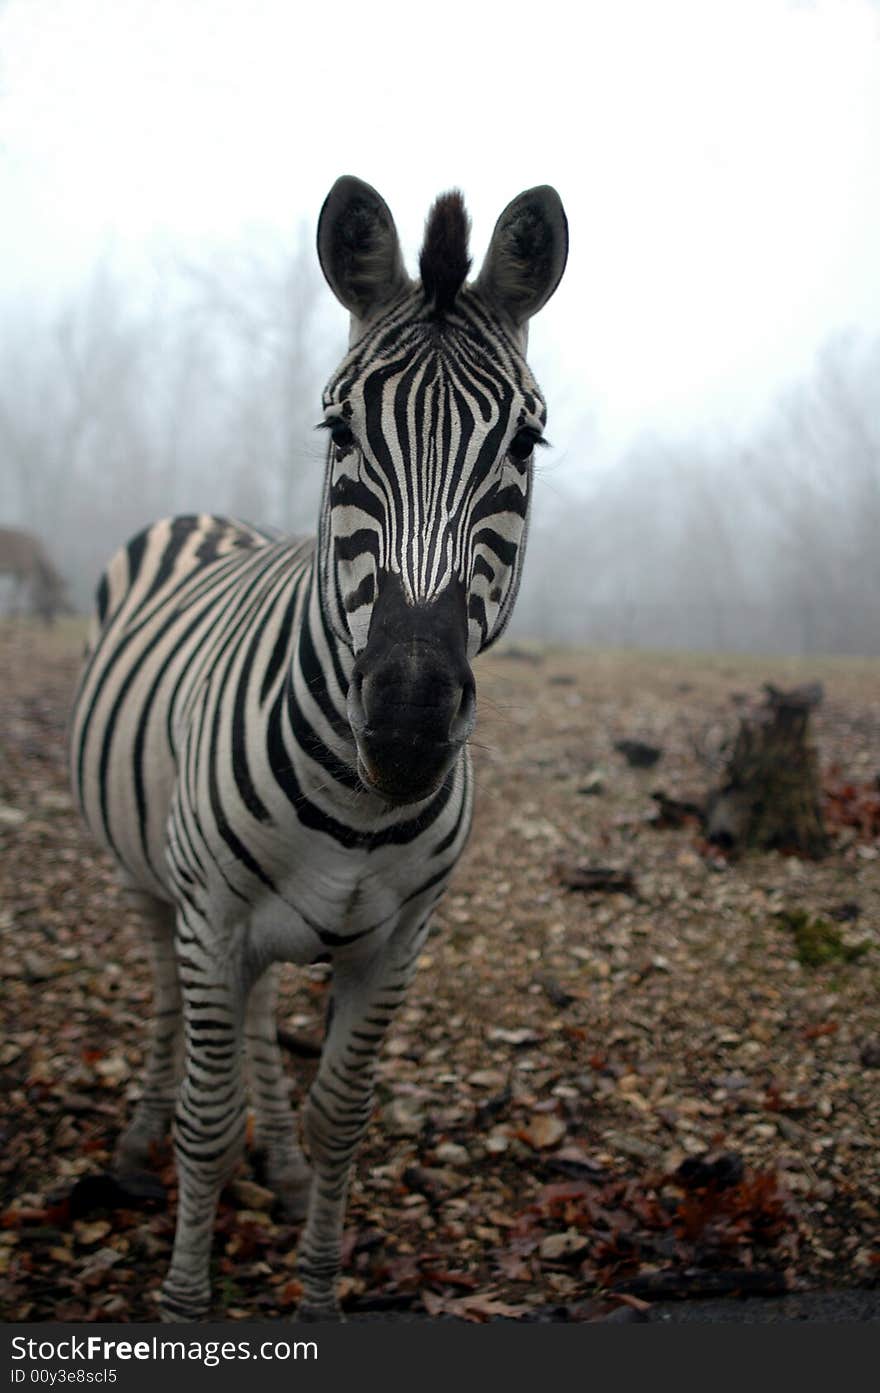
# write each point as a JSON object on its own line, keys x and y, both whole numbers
{"x": 341, "y": 434}
{"x": 523, "y": 443}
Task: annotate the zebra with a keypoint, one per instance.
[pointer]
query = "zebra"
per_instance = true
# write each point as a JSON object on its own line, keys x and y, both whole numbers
{"x": 271, "y": 736}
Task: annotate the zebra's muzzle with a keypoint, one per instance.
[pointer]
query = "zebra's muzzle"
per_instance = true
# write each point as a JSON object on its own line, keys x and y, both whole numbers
{"x": 412, "y": 697}
{"x": 402, "y": 765}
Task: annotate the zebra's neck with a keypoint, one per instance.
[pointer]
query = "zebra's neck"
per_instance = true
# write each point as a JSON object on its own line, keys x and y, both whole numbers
{"x": 312, "y": 750}
{"x": 314, "y": 698}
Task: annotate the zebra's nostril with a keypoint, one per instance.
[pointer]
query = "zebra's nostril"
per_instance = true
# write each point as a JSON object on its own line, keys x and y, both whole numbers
{"x": 463, "y": 720}
{"x": 356, "y": 714}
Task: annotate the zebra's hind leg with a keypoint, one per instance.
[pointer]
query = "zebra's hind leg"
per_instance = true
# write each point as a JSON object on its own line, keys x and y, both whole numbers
{"x": 366, "y": 993}
{"x": 287, "y": 1170}
{"x": 152, "y": 1115}
{"x": 209, "y": 1127}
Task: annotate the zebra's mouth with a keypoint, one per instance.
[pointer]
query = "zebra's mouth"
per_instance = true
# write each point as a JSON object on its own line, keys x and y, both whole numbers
{"x": 400, "y": 786}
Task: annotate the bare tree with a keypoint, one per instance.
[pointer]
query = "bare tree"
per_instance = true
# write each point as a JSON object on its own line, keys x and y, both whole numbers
{"x": 265, "y": 307}
{"x": 818, "y": 469}
{"x": 201, "y": 396}
{"x": 767, "y": 545}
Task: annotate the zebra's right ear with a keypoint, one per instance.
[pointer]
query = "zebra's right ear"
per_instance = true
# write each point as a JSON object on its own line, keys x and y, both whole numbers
{"x": 358, "y": 248}
{"x": 527, "y": 254}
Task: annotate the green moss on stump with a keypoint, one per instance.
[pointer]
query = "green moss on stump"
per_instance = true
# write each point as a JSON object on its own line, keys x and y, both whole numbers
{"x": 817, "y": 942}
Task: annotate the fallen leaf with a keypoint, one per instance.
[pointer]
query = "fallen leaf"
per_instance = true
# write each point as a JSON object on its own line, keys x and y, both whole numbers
{"x": 543, "y": 1131}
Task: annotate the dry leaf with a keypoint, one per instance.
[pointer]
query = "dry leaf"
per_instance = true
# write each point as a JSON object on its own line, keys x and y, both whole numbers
{"x": 543, "y": 1131}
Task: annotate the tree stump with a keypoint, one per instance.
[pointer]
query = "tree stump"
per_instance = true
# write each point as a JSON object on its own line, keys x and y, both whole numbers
{"x": 771, "y": 796}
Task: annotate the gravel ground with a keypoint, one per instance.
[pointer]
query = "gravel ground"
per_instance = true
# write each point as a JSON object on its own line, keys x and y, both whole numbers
{"x": 586, "y": 1097}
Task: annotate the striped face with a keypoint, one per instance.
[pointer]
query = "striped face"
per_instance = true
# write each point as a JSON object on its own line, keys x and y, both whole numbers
{"x": 433, "y": 418}
{"x": 432, "y": 429}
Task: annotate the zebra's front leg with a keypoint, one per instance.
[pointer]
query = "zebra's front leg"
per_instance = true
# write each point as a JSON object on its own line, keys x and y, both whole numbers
{"x": 287, "y": 1170}
{"x": 153, "y": 1113}
{"x": 366, "y": 993}
{"x": 209, "y": 1127}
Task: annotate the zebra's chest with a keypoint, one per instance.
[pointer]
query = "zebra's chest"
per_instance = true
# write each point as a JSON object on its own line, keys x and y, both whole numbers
{"x": 327, "y": 897}
{"x": 310, "y": 868}
{"x": 345, "y": 887}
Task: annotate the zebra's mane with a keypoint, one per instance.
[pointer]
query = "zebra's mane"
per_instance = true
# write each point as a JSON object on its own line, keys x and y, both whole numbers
{"x": 444, "y": 261}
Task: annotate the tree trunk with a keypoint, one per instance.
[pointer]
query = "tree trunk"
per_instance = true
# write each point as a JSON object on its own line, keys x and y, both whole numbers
{"x": 771, "y": 797}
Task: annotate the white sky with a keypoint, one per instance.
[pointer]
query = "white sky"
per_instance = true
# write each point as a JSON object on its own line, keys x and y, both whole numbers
{"x": 719, "y": 161}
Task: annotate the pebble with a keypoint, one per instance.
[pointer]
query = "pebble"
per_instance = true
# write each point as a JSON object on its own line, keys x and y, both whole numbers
{"x": 402, "y": 1119}
{"x": 497, "y": 1143}
{"x": 252, "y": 1196}
{"x": 451, "y": 1154}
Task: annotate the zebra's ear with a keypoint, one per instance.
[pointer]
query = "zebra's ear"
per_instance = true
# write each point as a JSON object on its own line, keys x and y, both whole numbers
{"x": 527, "y": 254}
{"x": 359, "y": 249}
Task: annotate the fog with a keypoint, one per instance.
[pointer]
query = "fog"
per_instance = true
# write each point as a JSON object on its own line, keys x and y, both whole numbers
{"x": 120, "y": 408}
{"x": 765, "y": 541}
{"x": 710, "y": 360}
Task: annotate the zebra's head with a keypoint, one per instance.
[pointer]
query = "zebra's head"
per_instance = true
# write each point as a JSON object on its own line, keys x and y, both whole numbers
{"x": 433, "y": 417}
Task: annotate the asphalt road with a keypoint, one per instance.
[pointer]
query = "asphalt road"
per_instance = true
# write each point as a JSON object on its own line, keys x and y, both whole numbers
{"x": 814, "y": 1307}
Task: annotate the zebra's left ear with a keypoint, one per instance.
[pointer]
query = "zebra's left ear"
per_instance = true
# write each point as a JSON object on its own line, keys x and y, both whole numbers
{"x": 358, "y": 248}
{"x": 527, "y": 254}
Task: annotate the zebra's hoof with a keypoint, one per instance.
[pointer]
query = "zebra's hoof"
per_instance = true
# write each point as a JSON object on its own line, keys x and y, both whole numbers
{"x": 178, "y": 1307}
{"x": 135, "y": 1150}
{"x": 294, "y": 1198}
{"x": 292, "y": 1184}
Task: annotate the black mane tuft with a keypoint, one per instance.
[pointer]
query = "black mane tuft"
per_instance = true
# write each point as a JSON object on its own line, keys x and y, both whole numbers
{"x": 444, "y": 261}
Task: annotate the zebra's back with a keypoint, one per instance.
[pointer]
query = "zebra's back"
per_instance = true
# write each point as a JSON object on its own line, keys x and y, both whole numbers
{"x": 169, "y": 604}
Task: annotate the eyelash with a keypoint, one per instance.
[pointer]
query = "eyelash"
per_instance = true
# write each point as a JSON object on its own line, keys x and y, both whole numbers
{"x": 527, "y": 439}
{"x": 520, "y": 448}
{"x": 340, "y": 433}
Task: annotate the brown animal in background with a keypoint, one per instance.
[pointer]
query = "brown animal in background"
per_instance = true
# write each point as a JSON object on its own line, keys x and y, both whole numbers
{"x": 36, "y": 582}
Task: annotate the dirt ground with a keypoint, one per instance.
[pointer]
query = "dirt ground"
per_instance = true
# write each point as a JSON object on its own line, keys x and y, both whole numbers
{"x": 589, "y": 1101}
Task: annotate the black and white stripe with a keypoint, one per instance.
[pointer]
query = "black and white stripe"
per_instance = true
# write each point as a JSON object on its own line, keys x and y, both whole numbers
{"x": 270, "y": 735}
{"x": 426, "y": 494}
